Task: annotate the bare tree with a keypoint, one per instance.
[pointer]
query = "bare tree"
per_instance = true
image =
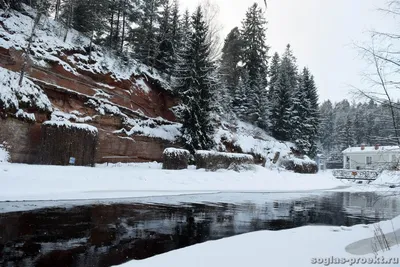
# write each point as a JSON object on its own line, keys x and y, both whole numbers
{"x": 211, "y": 12}
{"x": 383, "y": 57}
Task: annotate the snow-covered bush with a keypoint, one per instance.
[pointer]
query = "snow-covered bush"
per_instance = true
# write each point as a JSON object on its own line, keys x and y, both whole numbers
{"x": 175, "y": 159}
{"x": 299, "y": 165}
{"x": 212, "y": 160}
{"x": 4, "y": 155}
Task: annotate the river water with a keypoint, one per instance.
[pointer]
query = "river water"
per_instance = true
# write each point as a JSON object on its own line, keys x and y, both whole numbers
{"x": 108, "y": 232}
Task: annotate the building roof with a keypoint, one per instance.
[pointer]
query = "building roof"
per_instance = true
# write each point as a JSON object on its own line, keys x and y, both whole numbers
{"x": 371, "y": 150}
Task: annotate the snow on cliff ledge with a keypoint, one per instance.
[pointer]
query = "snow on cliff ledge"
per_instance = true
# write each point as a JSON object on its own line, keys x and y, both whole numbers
{"x": 13, "y": 96}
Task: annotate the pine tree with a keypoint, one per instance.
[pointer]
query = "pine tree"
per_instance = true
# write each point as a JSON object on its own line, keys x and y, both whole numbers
{"x": 301, "y": 129}
{"x": 273, "y": 76}
{"x": 312, "y": 115}
{"x": 195, "y": 85}
{"x": 326, "y": 128}
{"x": 255, "y": 60}
{"x": 281, "y": 107}
{"x": 145, "y": 36}
{"x": 230, "y": 70}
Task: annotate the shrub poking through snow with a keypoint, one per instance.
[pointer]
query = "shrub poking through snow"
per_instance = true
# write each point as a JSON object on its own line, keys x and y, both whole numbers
{"x": 299, "y": 165}
{"x": 4, "y": 155}
{"x": 61, "y": 140}
{"x": 175, "y": 159}
{"x": 212, "y": 160}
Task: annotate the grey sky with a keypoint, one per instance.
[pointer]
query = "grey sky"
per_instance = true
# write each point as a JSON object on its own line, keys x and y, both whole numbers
{"x": 321, "y": 33}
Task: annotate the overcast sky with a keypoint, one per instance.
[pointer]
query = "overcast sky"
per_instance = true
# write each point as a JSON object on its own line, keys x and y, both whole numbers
{"x": 321, "y": 33}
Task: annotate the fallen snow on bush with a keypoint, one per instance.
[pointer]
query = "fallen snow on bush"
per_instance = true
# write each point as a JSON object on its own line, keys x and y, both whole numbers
{"x": 13, "y": 96}
{"x": 176, "y": 151}
{"x": 68, "y": 124}
{"x": 206, "y": 153}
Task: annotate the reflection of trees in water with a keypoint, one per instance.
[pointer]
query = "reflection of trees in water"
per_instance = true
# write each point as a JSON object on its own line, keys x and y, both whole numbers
{"x": 105, "y": 235}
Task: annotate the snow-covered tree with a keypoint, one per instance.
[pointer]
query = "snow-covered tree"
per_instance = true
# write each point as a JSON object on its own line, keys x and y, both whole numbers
{"x": 273, "y": 75}
{"x": 255, "y": 61}
{"x": 281, "y": 106}
{"x": 230, "y": 70}
{"x": 195, "y": 85}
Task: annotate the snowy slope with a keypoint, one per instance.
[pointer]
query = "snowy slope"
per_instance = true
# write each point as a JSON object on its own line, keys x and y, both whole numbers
{"x": 13, "y": 96}
{"x": 252, "y": 139}
{"x": 49, "y": 47}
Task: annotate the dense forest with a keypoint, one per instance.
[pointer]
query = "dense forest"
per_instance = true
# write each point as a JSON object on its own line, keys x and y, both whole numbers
{"x": 346, "y": 124}
{"x": 241, "y": 80}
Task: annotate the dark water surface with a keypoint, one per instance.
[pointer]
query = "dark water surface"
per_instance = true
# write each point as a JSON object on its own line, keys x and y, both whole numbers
{"x": 110, "y": 234}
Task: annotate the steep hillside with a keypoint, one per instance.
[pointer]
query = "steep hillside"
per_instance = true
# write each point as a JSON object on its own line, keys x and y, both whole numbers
{"x": 127, "y": 102}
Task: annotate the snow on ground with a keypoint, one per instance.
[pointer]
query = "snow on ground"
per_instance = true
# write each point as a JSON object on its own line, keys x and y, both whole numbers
{"x": 35, "y": 182}
{"x": 304, "y": 246}
{"x": 387, "y": 183}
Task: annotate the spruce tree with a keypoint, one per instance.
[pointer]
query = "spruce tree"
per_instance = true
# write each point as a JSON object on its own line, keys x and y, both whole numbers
{"x": 273, "y": 76}
{"x": 281, "y": 107}
{"x": 255, "y": 60}
{"x": 230, "y": 70}
{"x": 195, "y": 84}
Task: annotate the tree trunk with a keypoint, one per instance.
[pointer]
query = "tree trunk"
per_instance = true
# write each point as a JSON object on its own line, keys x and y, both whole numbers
{"x": 112, "y": 24}
{"x": 117, "y": 29}
{"x": 90, "y": 46}
{"x": 28, "y": 48}
{"x": 58, "y": 4}
{"x": 123, "y": 26}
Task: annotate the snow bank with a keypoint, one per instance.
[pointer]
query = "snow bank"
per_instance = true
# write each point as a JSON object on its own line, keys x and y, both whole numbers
{"x": 388, "y": 178}
{"x": 134, "y": 180}
{"x": 4, "y": 155}
{"x": 13, "y": 96}
{"x": 301, "y": 247}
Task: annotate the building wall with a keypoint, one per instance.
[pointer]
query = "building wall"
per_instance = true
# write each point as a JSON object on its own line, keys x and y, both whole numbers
{"x": 379, "y": 160}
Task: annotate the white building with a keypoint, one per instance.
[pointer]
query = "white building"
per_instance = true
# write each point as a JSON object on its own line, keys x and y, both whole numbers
{"x": 371, "y": 157}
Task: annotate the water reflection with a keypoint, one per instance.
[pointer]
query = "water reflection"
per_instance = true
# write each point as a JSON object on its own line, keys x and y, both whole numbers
{"x": 104, "y": 235}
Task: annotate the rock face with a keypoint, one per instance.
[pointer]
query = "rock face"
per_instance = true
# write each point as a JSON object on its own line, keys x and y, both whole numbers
{"x": 64, "y": 144}
{"x": 211, "y": 160}
{"x": 70, "y": 93}
{"x": 175, "y": 159}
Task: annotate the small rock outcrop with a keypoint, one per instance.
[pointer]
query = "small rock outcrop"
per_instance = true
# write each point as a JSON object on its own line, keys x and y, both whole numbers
{"x": 212, "y": 160}
{"x": 175, "y": 158}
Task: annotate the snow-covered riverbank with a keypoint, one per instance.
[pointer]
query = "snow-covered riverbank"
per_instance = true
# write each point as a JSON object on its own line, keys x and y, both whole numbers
{"x": 36, "y": 182}
{"x": 304, "y": 246}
